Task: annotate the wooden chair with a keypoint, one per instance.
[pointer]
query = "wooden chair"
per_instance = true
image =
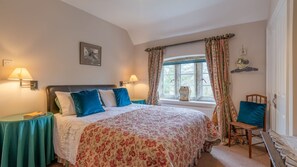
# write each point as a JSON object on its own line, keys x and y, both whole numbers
{"x": 249, "y": 128}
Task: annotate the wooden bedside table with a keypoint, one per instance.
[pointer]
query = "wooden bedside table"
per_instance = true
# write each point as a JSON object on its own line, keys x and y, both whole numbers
{"x": 138, "y": 101}
{"x": 26, "y": 142}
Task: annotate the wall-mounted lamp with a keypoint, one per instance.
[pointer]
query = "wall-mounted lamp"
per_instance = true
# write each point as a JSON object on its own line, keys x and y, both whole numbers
{"x": 132, "y": 79}
{"x": 25, "y": 78}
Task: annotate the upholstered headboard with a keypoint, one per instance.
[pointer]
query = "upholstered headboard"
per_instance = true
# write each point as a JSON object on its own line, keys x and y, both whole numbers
{"x": 50, "y": 93}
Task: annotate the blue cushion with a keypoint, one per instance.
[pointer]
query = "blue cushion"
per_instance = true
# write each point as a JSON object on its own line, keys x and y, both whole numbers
{"x": 86, "y": 103}
{"x": 122, "y": 97}
{"x": 251, "y": 113}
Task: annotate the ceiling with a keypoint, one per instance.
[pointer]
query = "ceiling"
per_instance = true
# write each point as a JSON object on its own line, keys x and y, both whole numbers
{"x": 148, "y": 20}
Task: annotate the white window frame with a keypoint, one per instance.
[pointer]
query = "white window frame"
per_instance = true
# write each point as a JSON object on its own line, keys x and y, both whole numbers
{"x": 198, "y": 77}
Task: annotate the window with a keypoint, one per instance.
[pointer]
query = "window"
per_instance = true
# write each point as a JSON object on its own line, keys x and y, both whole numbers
{"x": 190, "y": 71}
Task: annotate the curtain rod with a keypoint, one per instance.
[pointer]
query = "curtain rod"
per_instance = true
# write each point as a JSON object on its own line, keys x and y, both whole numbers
{"x": 230, "y": 35}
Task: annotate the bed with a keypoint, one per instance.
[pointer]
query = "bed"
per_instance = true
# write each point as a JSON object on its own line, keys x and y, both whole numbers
{"x": 282, "y": 149}
{"x": 134, "y": 135}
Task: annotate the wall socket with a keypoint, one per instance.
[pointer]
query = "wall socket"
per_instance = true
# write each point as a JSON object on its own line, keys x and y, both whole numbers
{"x": 6, "y": 62}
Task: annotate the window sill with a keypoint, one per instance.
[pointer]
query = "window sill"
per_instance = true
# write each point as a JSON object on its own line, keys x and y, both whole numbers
{"x": 188, "y": 103}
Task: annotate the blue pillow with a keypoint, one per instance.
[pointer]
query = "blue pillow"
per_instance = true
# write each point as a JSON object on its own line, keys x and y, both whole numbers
{"x": 86, "y": 103}
{"x": 122, "y": 97}
{"x": 251, "y": 113}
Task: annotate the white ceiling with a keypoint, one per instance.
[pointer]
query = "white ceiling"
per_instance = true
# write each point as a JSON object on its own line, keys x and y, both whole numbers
{"x": 148, "y": 20}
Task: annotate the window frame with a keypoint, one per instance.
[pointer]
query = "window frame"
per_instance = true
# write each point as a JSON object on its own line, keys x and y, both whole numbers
{"x": 198, "y": 77}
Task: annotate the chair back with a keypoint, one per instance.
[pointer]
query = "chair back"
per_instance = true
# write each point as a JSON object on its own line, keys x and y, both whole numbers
{"x": 260, "y": 99}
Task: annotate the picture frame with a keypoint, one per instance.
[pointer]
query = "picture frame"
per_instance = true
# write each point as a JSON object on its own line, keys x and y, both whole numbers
{"x": 90, "y": 54}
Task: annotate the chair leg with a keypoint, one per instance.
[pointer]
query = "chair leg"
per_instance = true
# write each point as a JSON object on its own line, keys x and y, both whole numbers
{"x": 247, "y": 137}
{"x": 250, "y": 143}
{"x": 229, "y": 134}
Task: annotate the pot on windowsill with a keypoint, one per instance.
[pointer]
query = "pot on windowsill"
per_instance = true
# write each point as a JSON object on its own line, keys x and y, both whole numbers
{"x": 184, "y": 92}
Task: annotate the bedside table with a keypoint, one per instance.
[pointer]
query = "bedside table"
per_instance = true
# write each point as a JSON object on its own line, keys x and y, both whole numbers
{"x": 26, "y": 142}
{"x": 138, "y": 101}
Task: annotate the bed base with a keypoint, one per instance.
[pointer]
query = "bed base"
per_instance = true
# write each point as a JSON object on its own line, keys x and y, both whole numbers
{"x": 275, "y": 158}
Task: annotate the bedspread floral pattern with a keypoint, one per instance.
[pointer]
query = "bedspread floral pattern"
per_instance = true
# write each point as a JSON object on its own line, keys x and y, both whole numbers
{"x": 154, "y": 136}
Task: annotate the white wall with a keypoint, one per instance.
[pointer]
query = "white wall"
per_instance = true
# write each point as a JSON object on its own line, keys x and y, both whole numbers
{"x": 44, "y": 36}
{"x": 251, "y": 35}
{"x": 273, "y": 5}
{"x": 294, "y": 68}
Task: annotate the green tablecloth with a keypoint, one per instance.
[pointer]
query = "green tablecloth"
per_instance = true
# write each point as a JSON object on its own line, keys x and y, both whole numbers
{"x": 26, "y": 142}
{"x": 138, "y": 101}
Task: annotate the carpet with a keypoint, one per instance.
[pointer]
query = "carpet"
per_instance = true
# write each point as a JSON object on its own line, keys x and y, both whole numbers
{"x": 235, "y": 156}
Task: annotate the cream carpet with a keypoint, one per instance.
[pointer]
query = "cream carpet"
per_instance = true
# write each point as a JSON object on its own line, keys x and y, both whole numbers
{"x": 235, "y": 156}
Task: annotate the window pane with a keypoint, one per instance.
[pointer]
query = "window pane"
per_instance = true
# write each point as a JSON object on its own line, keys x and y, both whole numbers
{"x": 204, "y": 67}
{"x": 169, "y": 79}
{"x": 187, "y": 68}
{"x": 207, "y": 91}
{"x": 169, "y": 84}
{"x": 169, "y": 90}
{"x": 206, "y": 80}
{"x": 189, "y": 80}
{"x": 169, "y": 69}
{"x": 192, "y": 91}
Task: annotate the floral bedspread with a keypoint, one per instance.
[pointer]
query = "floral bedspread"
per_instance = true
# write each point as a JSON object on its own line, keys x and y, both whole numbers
{"x": 153, "y": 136}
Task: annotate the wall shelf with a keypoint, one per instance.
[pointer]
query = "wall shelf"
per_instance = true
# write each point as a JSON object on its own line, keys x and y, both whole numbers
{"x": 247, "y": 69}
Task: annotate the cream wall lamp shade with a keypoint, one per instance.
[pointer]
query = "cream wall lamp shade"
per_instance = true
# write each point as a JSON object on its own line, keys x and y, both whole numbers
{"x": 20, "y": 74}
{"x": 23, "y": 74}
{"x": 133, "y": 79}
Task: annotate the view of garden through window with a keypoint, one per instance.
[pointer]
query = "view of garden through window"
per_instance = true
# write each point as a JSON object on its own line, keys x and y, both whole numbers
{"x": 193, "y": 74}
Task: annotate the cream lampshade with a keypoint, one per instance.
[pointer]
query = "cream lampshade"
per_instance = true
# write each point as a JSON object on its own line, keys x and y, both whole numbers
{"x": 23, "y": 74}
{"x": 20, "y": 74}
{"x": 133, "y": 78}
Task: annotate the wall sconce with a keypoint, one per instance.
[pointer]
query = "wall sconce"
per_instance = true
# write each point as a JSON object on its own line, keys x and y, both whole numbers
{"x": 132, "y": 79}
{"x": 25, "y": 78}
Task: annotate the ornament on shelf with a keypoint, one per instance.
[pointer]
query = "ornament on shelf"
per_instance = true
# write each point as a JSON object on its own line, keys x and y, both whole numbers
{"x": 242, "y": 63}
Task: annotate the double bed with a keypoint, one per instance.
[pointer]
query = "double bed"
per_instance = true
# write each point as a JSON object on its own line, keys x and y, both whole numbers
{"x": 134, "y": 135}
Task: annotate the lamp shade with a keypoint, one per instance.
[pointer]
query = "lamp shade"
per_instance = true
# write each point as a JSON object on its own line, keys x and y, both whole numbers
{"x": 20, "y": 74}
{"x": 133, "y": 78}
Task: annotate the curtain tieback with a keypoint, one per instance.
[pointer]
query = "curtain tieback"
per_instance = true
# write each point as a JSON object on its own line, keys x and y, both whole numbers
{"x": 222, "y": 101}
{"x": 214, "y": 116}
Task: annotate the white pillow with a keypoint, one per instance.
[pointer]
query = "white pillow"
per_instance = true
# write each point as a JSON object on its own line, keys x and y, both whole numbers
{"x": 66, "y": 102}
{"x": 108, "y": 98}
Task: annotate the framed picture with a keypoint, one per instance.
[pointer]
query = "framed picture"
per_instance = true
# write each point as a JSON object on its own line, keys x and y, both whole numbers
{"x": 90, "y": 54}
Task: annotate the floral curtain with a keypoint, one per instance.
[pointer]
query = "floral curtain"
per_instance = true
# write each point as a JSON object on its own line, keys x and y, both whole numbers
{"x": 217, "y": 58}
{"x": 155, "y": 63}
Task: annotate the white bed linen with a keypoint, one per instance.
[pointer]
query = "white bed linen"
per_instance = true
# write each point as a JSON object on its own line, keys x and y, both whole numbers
{"x": 68, "y": 129}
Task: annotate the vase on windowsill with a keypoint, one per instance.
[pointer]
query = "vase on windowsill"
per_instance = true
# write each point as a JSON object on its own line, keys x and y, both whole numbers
{"x": 184, "y": 92}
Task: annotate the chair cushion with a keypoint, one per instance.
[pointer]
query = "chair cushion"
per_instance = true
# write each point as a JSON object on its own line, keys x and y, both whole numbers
{"x": 251, "y": 113}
